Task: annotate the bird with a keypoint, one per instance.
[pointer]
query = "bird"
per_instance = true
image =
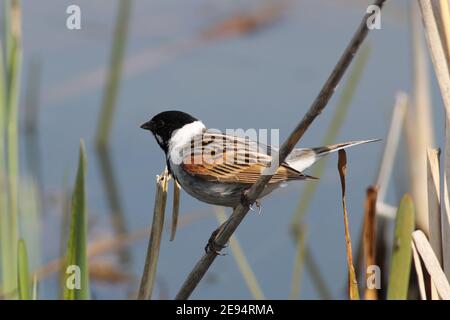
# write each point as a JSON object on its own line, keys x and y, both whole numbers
{"x": 219, "y": 168}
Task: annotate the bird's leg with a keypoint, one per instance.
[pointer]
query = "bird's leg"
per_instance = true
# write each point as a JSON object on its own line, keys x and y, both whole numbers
{"x": 212, "y": 245}
{"x": 247, "y": 203}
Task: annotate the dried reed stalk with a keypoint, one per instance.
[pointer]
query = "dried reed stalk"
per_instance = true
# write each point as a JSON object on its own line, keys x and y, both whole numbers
{"x": 432, "y": 264}
{"x": 419, "y": 122}
{"x": 390, "y": 151}
{"x": 154, "y": 243}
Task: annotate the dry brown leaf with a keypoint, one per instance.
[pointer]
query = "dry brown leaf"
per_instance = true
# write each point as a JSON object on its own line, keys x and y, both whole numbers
{"x": 352, "y": 281}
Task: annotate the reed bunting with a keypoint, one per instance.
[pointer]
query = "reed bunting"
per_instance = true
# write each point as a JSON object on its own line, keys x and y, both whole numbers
{"x": 219, "y": 168}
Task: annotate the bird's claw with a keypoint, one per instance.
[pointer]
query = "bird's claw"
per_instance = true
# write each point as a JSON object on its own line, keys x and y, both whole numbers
{"x": 247, "y": 203}
{"x": 257, "y": 205}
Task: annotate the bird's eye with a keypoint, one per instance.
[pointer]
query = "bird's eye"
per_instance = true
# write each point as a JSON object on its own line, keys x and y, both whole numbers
{"x": 160, "y": 124}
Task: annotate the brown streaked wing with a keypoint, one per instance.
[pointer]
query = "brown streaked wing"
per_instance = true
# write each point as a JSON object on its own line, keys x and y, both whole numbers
{"x": 239, "y": 172}
{"x": 225, "y": 158}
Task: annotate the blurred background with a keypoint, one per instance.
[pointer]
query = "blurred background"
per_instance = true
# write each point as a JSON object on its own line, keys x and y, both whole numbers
{"x": 233, "y": 64}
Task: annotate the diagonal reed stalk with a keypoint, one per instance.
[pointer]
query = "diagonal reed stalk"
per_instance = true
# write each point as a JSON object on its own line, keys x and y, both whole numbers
{"x": 316, "y": 108}
{"x": 241, "y": 260}
{"x": 432, "y": 265}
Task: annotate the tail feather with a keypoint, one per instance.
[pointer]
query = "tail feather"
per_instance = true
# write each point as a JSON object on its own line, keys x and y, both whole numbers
{"x": 322, "y": 151}
{"x": 300, "y": 159}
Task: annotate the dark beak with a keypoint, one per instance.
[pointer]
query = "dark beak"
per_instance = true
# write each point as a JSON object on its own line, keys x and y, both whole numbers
{"x": 147, "y": 126}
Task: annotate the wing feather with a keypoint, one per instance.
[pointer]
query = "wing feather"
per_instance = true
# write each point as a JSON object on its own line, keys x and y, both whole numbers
{"x": 225, "y": 158}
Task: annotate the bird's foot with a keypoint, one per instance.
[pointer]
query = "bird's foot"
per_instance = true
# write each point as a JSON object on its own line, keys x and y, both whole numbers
{"x": 247, "y": 203}
{"x": 212, "y": 245}
{"x": 257, "y": 205}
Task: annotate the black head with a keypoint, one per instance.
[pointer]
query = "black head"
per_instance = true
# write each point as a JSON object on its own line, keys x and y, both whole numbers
{"x": 165, "y": 123}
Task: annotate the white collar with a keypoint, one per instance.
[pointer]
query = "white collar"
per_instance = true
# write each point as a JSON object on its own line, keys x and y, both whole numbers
{"x": 183, "y": 136}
